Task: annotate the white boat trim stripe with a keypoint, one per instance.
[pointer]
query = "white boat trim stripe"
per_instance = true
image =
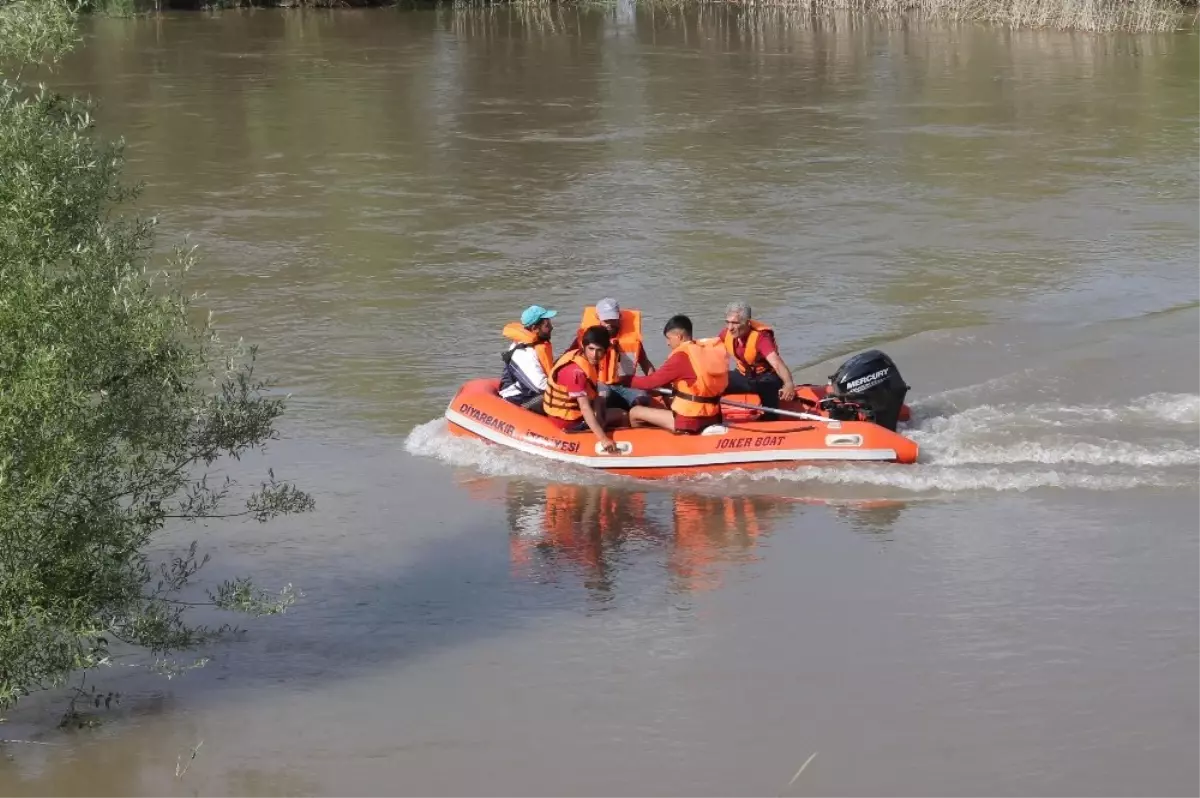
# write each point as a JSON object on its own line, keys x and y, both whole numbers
{"x": 671, "y": 461}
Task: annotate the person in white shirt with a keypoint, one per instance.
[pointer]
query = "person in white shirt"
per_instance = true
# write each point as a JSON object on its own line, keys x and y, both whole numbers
{"x": 528, "y": 358}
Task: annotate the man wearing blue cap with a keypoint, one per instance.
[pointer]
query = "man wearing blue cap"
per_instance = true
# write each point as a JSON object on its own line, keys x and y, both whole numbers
{"x": 529, "y": 358}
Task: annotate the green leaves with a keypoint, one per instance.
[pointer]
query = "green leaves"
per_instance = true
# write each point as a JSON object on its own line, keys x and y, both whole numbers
{"x": 112, "y": 401}
{"x": 35, "y": 30}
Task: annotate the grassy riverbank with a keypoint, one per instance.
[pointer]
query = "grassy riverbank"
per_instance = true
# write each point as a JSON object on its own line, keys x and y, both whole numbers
{"x": 1094, "y": 16}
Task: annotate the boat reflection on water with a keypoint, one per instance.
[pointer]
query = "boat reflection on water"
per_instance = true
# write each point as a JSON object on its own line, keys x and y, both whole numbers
{"x": 588, "y": 529}
{"x": 599, "y": 535}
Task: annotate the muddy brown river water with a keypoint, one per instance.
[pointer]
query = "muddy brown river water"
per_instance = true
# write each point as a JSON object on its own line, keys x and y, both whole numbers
{"x": 1011, "y": 215}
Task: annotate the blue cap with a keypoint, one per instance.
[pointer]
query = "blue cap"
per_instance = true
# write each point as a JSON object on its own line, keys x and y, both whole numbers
{"x": 535, "y": 313}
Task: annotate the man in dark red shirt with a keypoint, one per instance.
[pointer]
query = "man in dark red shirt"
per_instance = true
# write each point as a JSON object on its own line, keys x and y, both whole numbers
{"x": 762, "y": 370}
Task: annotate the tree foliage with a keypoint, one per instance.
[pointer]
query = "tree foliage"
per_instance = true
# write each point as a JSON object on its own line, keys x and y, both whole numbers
{"x": 114, "y": 400}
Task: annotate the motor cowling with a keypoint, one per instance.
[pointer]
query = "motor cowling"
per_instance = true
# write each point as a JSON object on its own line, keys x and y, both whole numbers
{"x": 867, "y": 387}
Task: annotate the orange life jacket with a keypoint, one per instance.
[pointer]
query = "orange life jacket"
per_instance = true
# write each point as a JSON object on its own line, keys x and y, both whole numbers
{"x": 702, "y": 398}
{"x": 627, "y": 341}
{"x": 749, "y": 363}
{"x": 513, "y": 331}
{"x": 556, "y": 402}
{"x": 733, "y": 414}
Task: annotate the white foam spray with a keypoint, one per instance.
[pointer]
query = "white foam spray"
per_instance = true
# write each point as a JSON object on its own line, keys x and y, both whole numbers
{"x": 433, "y": 439}
{"x": 1003, "y": 447}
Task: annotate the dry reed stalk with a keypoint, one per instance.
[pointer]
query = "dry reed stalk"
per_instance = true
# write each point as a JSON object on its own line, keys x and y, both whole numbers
{"x": 180, "y": 767}
{"x": 803, "y": 767}
{"x": 1093, "y": 16}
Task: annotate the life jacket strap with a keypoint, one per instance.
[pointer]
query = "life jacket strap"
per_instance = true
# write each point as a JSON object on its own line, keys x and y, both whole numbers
{"x": 704, "y": 400}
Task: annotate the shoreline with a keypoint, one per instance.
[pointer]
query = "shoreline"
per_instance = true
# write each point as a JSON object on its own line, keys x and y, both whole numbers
{"x": 1080, "y": 16}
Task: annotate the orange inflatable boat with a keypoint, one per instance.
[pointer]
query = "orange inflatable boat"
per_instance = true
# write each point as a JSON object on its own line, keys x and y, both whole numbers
{"x": 855, "y": 421}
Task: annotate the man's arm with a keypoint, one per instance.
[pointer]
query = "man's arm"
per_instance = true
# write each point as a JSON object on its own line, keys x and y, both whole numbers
{"x": 595, "y": 424}
{"x": 788, "y": 391}
{"x": 770, "y": 352}
{"x": 675, "y": 367}
{"x": 576, "y": 384}
{"x": 644, "y": 361}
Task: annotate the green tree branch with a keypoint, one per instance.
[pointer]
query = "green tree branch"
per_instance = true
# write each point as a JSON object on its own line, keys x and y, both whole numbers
{"x": 113, "y": 402}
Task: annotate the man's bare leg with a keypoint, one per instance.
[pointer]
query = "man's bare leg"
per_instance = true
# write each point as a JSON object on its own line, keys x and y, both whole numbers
{"x": 652, "y": 417}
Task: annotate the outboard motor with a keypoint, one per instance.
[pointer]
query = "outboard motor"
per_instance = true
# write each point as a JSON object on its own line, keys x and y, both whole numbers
{"x": 867, "y": 387}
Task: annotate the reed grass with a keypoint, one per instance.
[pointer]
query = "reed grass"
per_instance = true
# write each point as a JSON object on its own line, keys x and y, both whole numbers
{"x": 1093, "y": 16}
{"x": 115, "y": 8}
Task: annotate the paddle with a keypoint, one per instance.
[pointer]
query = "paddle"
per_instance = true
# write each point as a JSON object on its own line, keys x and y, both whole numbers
{"x": 745, "y": 406}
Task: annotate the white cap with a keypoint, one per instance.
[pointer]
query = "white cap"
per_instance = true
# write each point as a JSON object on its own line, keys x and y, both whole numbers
{"x": 607, "y": 309}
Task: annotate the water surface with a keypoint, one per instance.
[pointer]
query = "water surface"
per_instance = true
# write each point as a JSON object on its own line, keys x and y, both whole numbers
{"x": 1012, "y": 216}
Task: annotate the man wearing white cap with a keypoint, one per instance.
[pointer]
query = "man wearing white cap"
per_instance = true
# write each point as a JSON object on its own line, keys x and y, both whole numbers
{"x": 627, "y": 352}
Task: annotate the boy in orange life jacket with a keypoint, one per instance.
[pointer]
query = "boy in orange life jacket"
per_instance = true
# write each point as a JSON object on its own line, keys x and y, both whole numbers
{"x": 696, "y": 372}
{"x": 760, "y": 368}
{"x": 572, "y": 400}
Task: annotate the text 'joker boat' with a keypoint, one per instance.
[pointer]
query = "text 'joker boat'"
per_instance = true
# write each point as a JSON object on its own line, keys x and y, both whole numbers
{"x": 855, "y": 421}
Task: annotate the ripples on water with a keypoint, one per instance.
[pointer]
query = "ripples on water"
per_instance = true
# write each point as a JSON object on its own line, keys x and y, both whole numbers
{"x": 376, "y": 193}
{"x": 849, "y": 178}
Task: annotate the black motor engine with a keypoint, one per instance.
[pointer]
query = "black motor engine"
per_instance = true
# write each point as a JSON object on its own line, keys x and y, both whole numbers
{"x": 867, "y": 387}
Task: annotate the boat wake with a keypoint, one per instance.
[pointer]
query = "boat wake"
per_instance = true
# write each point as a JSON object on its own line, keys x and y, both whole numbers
{"x": 1148, "y": 442}
{"x": 1152, "y": 441}
{"x": 433, "y": 439}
